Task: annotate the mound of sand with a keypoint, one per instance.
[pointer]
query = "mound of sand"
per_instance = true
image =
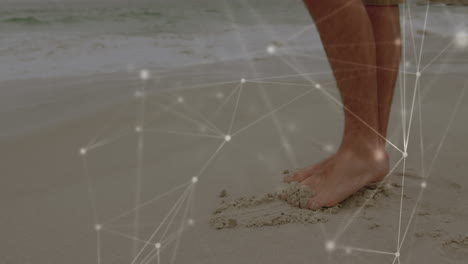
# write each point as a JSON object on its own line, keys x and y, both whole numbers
{"x": 284, "y": 206}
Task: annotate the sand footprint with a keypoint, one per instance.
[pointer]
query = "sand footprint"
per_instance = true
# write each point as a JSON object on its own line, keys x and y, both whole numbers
{"x": 282, "y": 207}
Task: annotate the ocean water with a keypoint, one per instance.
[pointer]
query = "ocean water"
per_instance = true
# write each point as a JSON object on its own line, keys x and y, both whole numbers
{"x": 66, "y": 39}
{"x": 56, "y": 40}
{"x": 73, "y": 39}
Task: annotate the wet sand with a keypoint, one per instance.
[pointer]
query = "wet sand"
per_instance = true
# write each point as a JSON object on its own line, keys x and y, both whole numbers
{"x": 135, "y": 188}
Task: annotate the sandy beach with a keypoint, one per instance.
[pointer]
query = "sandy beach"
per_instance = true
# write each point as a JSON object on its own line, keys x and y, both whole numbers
{"x": 116, "y": 168}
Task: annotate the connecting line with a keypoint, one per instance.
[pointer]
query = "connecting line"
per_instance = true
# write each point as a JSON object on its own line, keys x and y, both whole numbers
{"x": 93, "y": 207}
{"x": 207, "y": 163}
{"x": 193, "y": 87}
{"x": 165, "y": 131}
{"x": 160, "y": 225}
{"x": 123, "y": 235}
{"x": 368, "y": 250}
{"x": 264, "y": 95}
{"x": 171, "y": 220}
{"x": 90, "y": 190}
{"x": 439, "y": 147}
{"x": 416, "y": 85}
{"x": 148, "y": 202}
{"x": 225, "y": 101}
{"x": 182, "y": 225}
{"x": 164, "y": 244}
{"x": 107, "y": 124}
{"x": 158, "y": 256}
{"x": 98, "y": 246}
{"x": 351, "y": 219}
{"x": 423, "y": 37}
{"x": 348, "y": 62}
{"x": 417, "y": 82}
{"x": 157, "y": 113}
{"x": 457, "y": 105}
{"x": 186, "y": 117}
{"x": 284, "y": 140}
{"x": 109, "y": 140}
{"x": 416, "y": 88}
{"x": 401, "y": 201}
{"x": 235, "y": 109}
{"x": 204, "y": 119}
{"x": 290, "y": 75}
{"x": 403, "y": 81}
{"x": 140, "y": 120}
{"x": 411, "y": 218}
{"x": 282, "y": 83}
{"x": 421, "y": 139}
{"x": 174, "y": 214}
{"x": 273, "y": 111}
{"x": 437, "y": 56}
{"x": 352, "y": 113}
{"x": 407, "y": 7}
{"x": 266, "y": 99}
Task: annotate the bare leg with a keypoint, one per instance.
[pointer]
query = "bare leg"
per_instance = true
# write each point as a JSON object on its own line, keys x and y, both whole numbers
{"x": 347, "y": 35}
{"x": 386, "y": 25}
{"x": 386, "y": 29}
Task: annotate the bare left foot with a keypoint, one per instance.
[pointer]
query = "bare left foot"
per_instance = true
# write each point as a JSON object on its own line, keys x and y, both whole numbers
{"x": 344, "y": 174}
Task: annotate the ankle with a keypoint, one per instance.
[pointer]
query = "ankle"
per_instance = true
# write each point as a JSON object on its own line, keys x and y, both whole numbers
{"x": 365, "y": 150}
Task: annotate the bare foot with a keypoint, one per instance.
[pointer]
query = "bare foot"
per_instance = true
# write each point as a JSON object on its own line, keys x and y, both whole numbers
{"x": 306, "y": 172}
{"x": 338, "y": 177}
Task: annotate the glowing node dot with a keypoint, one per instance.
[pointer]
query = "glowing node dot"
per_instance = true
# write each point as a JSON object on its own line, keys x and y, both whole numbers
{"x": 180, "y": 99}
{"x": 157, "y": 245}
{"x": 260, "y": 157}
{"x": 423, "y": 184}
{"x": 379, "y": 155}
{"x": 348, "y": 250}
{"x": 220, "y": 95}
{"x": 194, "y": 179}
{"x": 318, "y": 86}
{"x": 418, "y": 74}
{"x": 405, "y": 154}
{"x": 191, "y": 222}
{"x": 83, "y": 151}
{"x": 138, "y": 94}
{"x": 144, "y": 74}
{"x": 292, "y": 127}
{"x": 271, "y": 49}
{"x": 97, "y": 227}
{"x": 328, "y": 148}
{"x": 138, "y": 129}
{"x": 461, "y": 39}
{"x": 227, "y": 138}
{"x": 397, "y": 254}
{"x": 202, "y": 128}
{"x": 330, "y": 245}
{"x": 242, "y": 80}
{"x": 397, "y": 41}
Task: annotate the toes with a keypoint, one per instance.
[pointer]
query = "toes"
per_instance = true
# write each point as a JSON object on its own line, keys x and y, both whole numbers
{"x": 314, "y": 203}
{"x": 295, "y": 176}
{"x": 301, "y": 175}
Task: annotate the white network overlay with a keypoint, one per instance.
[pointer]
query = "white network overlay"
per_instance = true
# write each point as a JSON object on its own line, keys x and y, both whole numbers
{"x": 152, "y": 246}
